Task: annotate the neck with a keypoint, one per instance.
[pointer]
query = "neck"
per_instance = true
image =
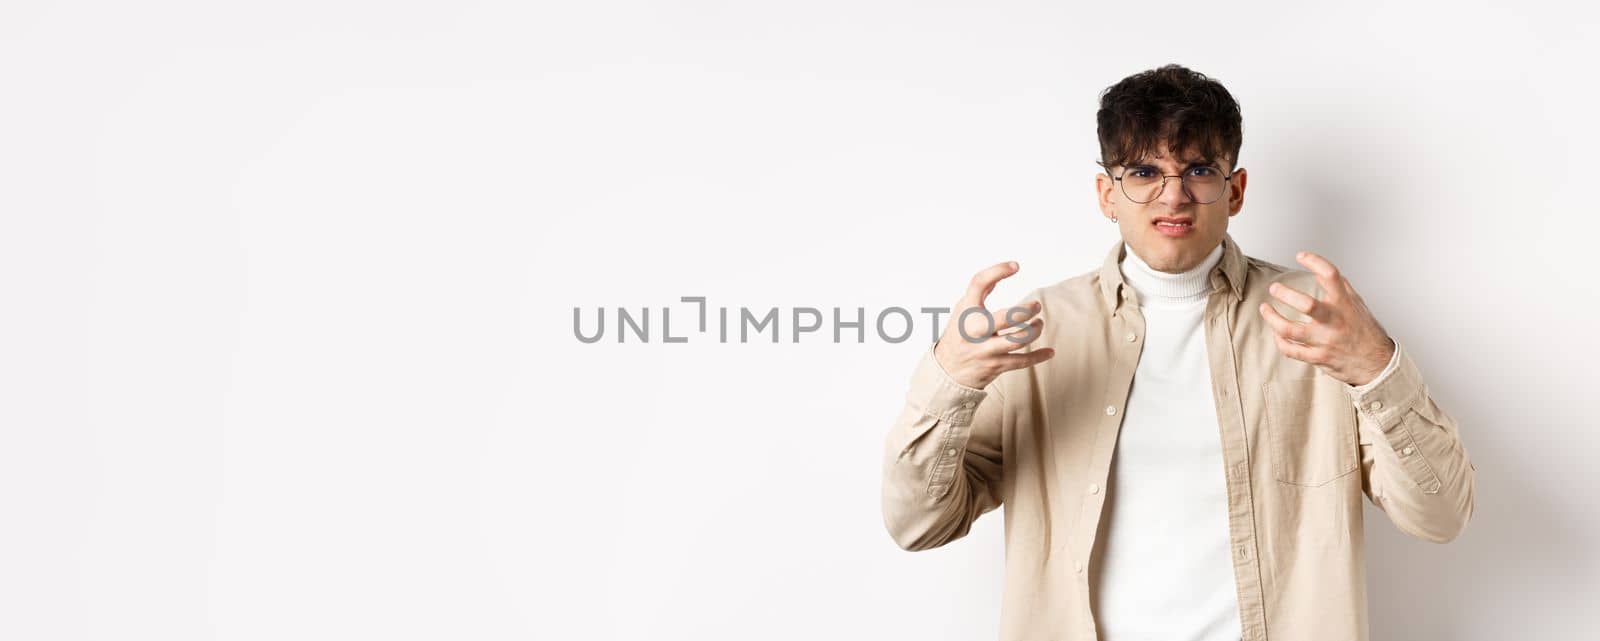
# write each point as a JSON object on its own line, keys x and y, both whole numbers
{"x": 1189, "y": 286}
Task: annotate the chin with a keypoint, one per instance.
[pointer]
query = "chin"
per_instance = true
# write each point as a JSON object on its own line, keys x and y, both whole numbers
{"x": 1171, "y": 255}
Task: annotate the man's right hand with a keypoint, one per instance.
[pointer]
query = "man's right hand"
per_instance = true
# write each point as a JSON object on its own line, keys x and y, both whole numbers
{"x": 973, "y": 350}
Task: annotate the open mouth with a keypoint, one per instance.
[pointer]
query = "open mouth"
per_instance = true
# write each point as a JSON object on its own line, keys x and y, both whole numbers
{"x": 1174, "y": 228}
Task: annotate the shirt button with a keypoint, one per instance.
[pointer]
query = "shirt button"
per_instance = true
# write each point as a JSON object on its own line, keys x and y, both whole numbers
{"x": 951, "y": 451}
{"x": 1111, "y": 409}
{"x": 969, "y": 405}
{"x": 1375, "y": 405}
{"x": 1408, "y": 450}
{"x": 1131, "y": 337}
{"x": 1094, "y": 488}
{"x": 1077, "y": 566}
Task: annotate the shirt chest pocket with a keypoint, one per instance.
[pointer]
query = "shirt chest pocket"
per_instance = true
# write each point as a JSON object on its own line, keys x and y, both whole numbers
{"x": 1312, "y": 426}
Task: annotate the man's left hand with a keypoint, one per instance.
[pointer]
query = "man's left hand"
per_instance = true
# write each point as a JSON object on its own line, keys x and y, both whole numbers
{"x": 1342, "y": 338}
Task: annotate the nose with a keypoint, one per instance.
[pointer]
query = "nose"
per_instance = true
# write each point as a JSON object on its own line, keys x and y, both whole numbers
{"x": 1173, "y": 194}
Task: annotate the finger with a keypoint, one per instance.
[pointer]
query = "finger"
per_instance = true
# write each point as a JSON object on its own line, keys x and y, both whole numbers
{"x": 1010, "y": 362}
{"x": 1296, "y": 299}
{"x": 1303, "y": 353}
{"x": 1017, "y": 315}
{"x": 983, "y": 282}
{"x": 1327, "y": 274}
{"x": 1011, "y": 341}
{"x": 1285, "y": 328}
{"x": 975, "y": 323}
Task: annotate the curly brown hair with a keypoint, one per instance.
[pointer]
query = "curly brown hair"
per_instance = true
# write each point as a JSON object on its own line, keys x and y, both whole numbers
{"x": 1175, "y": 104}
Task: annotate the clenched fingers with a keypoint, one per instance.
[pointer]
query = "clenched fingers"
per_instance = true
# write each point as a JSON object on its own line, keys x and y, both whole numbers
{"x": 983, "y": 282}
{"x": 1327, "y": 274}
{"x": 1010, "y": 362}
{"x": 1017, "y": 315}
{"x": 1285, "y": 328}
{"x": 1297, "y": 299}
{"x": 977, "y": 324}
{"x": 1314, "y": 354}
{"x": 1014, "y": 340}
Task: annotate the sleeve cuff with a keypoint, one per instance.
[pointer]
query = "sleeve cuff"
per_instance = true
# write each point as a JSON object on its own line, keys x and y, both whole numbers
{"x": 937, "y": 395}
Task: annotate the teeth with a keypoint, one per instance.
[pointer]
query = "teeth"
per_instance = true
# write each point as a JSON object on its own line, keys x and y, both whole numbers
{"x": 1173, "y": 224}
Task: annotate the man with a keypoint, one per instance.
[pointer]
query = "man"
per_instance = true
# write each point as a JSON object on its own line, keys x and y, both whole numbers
{"x": 1183, "y": 437}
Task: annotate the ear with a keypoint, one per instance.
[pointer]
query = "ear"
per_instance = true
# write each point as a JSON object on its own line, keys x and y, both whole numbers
{"x": 1106, "y": 190}
{"x": 1236, "y": 191}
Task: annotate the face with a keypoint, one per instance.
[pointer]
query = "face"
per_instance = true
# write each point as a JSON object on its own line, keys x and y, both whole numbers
{"x": 1166, "y": 248}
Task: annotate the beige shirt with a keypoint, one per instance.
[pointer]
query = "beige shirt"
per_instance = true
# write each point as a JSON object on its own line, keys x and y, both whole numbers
{"x": 1300, "y": 449}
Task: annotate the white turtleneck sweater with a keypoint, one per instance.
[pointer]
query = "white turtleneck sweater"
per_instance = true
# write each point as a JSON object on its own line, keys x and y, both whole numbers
{"x": 1165, "y": 571}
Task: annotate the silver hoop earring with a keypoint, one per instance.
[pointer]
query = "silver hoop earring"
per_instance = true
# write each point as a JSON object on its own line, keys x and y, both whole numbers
{"x": 1113, "y": 219}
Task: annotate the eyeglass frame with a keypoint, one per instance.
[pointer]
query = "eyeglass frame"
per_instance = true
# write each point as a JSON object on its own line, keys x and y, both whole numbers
{"x": 1123, "y": 187}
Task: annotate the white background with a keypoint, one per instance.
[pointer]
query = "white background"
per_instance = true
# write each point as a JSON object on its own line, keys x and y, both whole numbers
{"x": 286, "y": 297}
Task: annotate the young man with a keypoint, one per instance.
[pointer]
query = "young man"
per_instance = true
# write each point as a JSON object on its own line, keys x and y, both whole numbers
{"x": 1183, "y": 437}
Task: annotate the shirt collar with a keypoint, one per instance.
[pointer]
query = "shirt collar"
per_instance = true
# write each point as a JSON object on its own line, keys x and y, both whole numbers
{"x": 1228, "y": 274}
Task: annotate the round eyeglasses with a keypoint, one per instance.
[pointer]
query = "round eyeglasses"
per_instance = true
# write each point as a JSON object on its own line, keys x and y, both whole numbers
{"x": 1203, "y": 184}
